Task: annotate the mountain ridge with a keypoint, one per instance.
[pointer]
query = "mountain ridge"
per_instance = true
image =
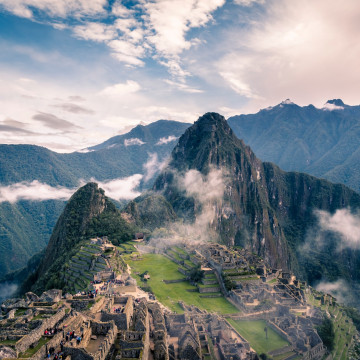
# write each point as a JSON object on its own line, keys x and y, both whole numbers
{"x": 322, "y": 142}
{"x": 271, "y": 209}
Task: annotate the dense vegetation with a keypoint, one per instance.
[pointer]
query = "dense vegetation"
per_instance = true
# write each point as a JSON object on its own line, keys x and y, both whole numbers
{"x": 327, "y": 333}
{"x": 25, "y": 229}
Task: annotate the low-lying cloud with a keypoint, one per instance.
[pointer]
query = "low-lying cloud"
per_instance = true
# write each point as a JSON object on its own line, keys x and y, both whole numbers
{"x": 133, "y": 141}
{"x": 34, "y": 190}
{"x": 208, "y": 192}
{"x": 166, "y": 140}
{"x": 153, "y": 166}
{"x": 118, "y": 189}
{"x": 203, "y": 189}
{"x": 7, "y": 290}
{"x": 122, "y": 189}
{"x": 339, "y": 289}
{"x": 343, "y": 223}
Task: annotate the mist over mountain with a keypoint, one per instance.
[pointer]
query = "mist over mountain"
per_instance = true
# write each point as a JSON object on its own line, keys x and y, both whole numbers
{"x": 322, "y": 142}
{"x": 120, "y": 156}
{"x": 263, "y": 208}
{"x": 26, "y": 225}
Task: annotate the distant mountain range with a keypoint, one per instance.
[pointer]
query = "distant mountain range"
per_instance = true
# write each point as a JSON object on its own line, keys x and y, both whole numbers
{"x": 322, "y": 142}
{"x": 117, "y": 157}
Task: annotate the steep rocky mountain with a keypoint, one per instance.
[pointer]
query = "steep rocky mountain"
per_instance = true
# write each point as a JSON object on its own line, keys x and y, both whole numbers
{"x": 263, "y": 207}
{"x": 323, "y": 142}
{"x": 87, "y": 214}
{"x": 26, "y": 226}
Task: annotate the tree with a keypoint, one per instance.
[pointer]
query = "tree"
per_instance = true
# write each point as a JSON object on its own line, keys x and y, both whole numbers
{"x": 196, "y": 274}
{"x": 326, "y": 333}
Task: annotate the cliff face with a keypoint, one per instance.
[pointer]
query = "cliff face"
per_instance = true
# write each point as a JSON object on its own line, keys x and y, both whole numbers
{"x": 263, "y": 207}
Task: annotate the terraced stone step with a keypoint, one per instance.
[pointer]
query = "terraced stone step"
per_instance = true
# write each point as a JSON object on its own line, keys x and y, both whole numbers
{"x": 80, "y": 262}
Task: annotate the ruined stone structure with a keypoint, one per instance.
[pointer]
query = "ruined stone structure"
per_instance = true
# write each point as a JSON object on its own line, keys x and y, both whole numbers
{"x": 123, "y": 315}
{"x": 97, "y": 339}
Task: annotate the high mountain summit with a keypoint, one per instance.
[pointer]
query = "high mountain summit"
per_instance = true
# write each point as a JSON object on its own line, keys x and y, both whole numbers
{"x": 263, "y": 208}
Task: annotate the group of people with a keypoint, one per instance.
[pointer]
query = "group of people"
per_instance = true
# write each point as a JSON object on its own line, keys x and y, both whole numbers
{"x": 118, "y": 310}
{"x": 70, "y": 335}
{"x": 50, "y": 331}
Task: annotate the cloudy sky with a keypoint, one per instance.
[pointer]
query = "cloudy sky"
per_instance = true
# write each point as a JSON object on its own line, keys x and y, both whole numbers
{"x": 76, "y": 72}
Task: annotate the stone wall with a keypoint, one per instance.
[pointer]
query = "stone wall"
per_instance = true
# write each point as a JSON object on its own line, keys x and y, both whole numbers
{"x": 209, "y": 289}
{"x": 24, "y": 343}
{"x": 81, "y": 305}
{"x": 317, "y": 352}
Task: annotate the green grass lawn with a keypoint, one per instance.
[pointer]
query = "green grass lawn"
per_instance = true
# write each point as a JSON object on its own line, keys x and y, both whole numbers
{"x": 161, "y": 268}
{"x": 253, "y": 332}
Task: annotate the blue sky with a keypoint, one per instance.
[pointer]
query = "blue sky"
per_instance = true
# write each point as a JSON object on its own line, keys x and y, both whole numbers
{"x": 76, "y": 72}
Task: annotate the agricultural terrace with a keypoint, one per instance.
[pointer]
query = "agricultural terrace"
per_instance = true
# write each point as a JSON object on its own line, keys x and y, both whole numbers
{"x": 161, "y": 268}
{"x": 343, "y": 326}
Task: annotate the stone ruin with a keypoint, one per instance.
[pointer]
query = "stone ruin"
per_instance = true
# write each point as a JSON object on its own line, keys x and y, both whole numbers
{"x": 122, "y": 317}
{"x": 97, "y": 340}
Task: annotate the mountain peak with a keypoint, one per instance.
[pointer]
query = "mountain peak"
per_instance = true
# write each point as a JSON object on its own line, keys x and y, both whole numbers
{"x": 336, "y": 102}
{"x": 287, "y": 102}
{"x": 211, "y": 121}
{"x": 205, "y": 144}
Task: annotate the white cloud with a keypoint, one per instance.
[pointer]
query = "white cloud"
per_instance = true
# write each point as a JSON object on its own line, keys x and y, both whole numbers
{"x": 122, "y": 189}
{"x": 183, "y": 87}
{"x": 153, "y": 166}
{"x": 331, "y": 107}
{"x": 61, "y": 8}
{"x": 166, "y": 140}
{"x": 121, "y": 89}
{"x": 248, "y": 2}
{"x": 34, "y": 190}
{"x": 95, "y": 31}
{"x": 339, "y": 289}
{"x": 343, "y": 223}
{"x": 204, "y": 189}
{"x": 127, "y": 52}
{"x": 133, "y": 141}
{"x": 238, "y": 85}
{"x": 303, "y": 50}
{"x": 170, "y": 20}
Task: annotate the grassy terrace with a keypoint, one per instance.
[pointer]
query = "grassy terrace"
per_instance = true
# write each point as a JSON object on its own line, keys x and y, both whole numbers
{"x": 344, "y": 329}
{"x": 253, "y": 332}
{"x": 180, "y": 251}
{"x": 161, "y": 268}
